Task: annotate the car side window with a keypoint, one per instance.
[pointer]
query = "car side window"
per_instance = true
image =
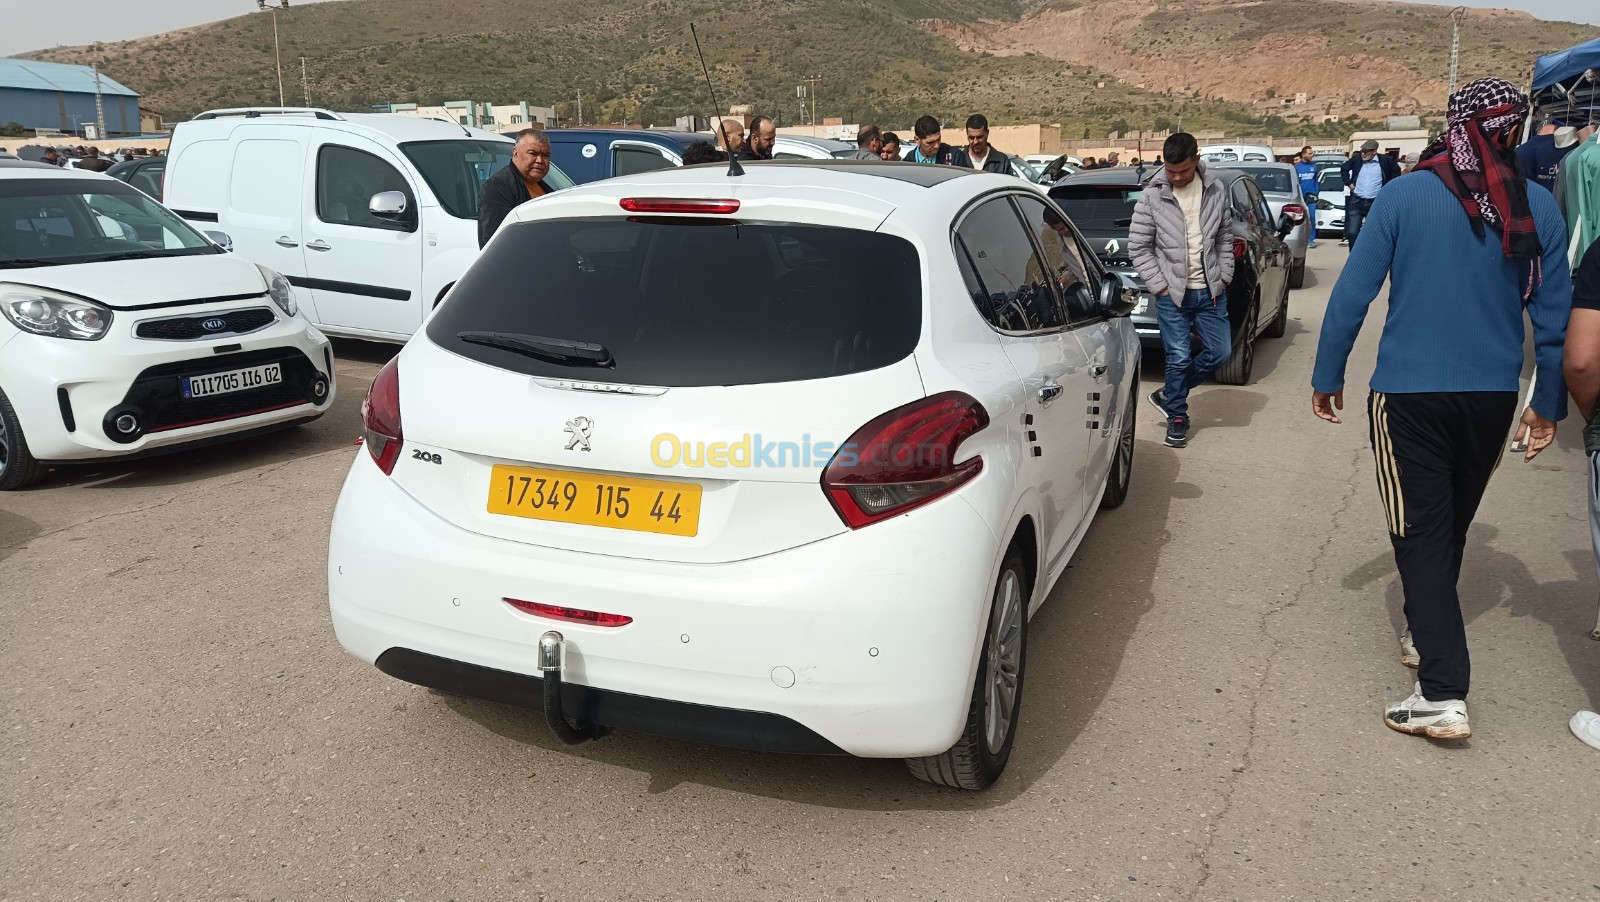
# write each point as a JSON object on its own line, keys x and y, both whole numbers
{"x": 1004, "y": 275}
{"x": 1243, "y": 207}
{"x": 634, "y": 160}
{"x": 1263, "y": 209}
{"x": 1062, "y": 258}
{"x": 148, "y": 179}
{"x": 346, "y": 181}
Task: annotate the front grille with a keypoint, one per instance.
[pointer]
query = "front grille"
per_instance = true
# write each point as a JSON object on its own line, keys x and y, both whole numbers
{"x": 192, "y": 328}
{"x": 157, "y": 395}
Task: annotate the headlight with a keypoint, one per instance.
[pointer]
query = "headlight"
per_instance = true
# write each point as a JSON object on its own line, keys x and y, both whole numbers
{"x": 280, "y": 289}
{"x": 45, "y": 312}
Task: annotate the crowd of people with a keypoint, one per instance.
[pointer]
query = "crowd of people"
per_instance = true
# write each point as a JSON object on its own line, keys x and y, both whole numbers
{"x": 83, "y": 157}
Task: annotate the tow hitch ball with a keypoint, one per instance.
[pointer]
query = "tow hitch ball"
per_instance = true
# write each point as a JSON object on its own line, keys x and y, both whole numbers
{"x": 550, "y": 648}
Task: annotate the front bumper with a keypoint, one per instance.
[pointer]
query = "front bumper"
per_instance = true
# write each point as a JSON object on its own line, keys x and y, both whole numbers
{"x": 68, "y": 394}
{"x": 865, "y": 642}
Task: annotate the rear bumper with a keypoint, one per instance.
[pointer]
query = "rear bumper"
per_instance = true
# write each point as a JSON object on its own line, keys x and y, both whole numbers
{"x": 867, "y": 640}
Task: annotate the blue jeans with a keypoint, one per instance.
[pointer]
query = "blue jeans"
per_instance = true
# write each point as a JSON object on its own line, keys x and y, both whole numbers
{"x": 1198, "y": 314}
{"x": 1356, "y": 209}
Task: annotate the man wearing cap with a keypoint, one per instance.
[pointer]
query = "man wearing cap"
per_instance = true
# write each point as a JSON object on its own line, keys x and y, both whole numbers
{"x": 1364, "y": 176}
{"x": 1540, "y": 157}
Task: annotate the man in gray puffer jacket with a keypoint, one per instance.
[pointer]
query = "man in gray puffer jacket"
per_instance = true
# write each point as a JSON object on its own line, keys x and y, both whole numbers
{"x": 1181, "y": 241}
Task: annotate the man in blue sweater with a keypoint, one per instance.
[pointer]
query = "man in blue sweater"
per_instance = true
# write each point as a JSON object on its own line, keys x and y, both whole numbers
{"x": 1468, "y": 245}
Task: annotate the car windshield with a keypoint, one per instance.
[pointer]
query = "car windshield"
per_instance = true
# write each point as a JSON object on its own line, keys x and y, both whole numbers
{"x": 1025, "y": 169}
{"x": 456, "y": 170}
{"x": 810, "y": 301}
{"x": 1097, "y": 209}
{"x": 54, "y": 221}
{"x": 1274, "y": 180}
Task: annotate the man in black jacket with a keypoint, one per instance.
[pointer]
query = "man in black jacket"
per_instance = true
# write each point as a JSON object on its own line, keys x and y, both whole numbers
{"x": 980, "y": 154}
{"x": 516, "y": 184}
{"x": 763, "y": 134}
{"x": 1364, "y": 176}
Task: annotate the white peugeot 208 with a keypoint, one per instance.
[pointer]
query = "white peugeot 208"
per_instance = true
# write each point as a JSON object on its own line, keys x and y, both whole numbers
{"x": 780, "y": 460}
{"x": 124, "y": 332}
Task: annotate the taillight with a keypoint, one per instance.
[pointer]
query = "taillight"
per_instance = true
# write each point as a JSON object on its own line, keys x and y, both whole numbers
{"x": 679, "y": 205}
{"x": 570, "y": 615}
{"x": 1239, "y": 248}
{"x": 904, "y": 459}
{"x": 1297, "y": 212}
{"x": 380, "y": 415}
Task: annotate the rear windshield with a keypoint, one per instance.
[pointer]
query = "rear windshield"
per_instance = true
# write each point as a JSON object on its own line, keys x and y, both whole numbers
{"x": 1280, "y": 181}
{"x": 1097, "y": 208}
{"x": 1331, "y": 181}
{"x": 680, "y": 302}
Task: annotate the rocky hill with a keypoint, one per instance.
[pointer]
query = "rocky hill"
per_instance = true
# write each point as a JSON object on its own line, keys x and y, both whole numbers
{"x": 1090, "y": 65}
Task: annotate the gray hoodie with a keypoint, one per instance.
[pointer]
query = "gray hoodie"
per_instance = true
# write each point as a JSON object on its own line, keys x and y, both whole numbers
{"x": 1158, "y": 241}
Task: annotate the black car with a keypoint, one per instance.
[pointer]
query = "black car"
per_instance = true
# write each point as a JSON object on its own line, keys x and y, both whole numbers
{"x": 144, "y": 173}
{"x": 1100, "y": 203}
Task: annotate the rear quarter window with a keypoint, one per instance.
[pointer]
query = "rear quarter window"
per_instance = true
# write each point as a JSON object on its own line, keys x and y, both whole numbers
{"x": 682, "y": 302}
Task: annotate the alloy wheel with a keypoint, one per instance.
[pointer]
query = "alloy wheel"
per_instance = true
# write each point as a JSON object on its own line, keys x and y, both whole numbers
{"x": 1005, "y": 660}
{"x": 5, "y": 446}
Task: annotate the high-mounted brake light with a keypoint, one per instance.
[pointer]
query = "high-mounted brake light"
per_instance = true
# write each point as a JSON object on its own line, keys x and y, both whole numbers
{"x": 679, "y": 205}
{"x": 569, "y": 615}
{"x": 904, "y": 459}
{"x": 380, "y": 415}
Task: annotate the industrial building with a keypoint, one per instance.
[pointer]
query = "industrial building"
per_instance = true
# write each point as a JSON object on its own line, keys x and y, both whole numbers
{"x": 57, "y": 96}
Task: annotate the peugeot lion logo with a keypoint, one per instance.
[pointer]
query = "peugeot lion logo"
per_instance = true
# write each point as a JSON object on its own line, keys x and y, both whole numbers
{"x": 214, "y": 324}
{"x": 579, "y": 428}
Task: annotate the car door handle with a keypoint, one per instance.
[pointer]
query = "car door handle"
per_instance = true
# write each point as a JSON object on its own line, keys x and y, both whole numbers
{"x": 320, "y": 245}
{"x": 1099, "y": 370}
{"x": 1049, "y": 392}
{"x": 286, "y": 241}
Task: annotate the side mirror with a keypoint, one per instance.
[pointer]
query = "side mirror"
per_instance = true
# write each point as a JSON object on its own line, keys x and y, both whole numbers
{"x": 388, "y": 205}
{"x": 1286, "y": 224}
{"x": 222, "y": 240}
{"x": 1116, "y": 300}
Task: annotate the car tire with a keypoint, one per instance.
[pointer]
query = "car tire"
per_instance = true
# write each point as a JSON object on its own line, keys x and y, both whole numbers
{"x": 1121, "y": 475}
{"x": 983, "y": 748}
{"x": 18, "y": 468}
{"x": 1240, "y": 363}
{"x": 1297, "y": 274}
{"x": 1280, "y": 323}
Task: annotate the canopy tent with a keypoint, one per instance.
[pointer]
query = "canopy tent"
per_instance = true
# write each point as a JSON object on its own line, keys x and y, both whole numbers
{"x": 1566, "y": 64}
{"x": 1566, "y": 85}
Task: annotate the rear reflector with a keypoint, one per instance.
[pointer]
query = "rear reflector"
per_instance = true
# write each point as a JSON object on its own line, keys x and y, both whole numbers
{"x": 570, "y": 615}
{"x": 679, "y": 205}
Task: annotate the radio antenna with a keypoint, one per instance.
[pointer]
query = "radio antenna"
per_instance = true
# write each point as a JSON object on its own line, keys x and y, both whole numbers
{"x": 733, "y": 161}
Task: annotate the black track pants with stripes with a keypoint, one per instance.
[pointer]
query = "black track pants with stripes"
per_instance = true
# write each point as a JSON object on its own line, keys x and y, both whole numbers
{"x": 1435, "y": 452}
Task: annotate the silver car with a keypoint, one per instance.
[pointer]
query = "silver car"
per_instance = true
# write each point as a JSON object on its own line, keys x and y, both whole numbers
{"x": 1281, "y": 187}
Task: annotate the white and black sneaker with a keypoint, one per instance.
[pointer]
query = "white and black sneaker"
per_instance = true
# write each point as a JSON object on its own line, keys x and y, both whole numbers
{"x": 1408, "y": 651}
{"x": 1436, "y": 720}
{"x": 1159, "y": 399}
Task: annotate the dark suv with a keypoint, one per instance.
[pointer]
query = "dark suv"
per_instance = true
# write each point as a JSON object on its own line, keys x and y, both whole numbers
{"x": 1100, "y": 203}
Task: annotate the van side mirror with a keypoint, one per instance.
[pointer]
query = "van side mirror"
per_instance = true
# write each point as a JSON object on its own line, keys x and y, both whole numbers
{"x": 221, "y": 239}
{"x": 388, "y": 205}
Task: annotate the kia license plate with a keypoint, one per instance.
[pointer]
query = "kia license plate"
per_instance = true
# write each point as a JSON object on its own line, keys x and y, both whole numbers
{"x": 232, "y": 381}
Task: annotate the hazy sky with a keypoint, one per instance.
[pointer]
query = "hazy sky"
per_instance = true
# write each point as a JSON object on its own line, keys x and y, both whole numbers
{"x": 34, "y": 25}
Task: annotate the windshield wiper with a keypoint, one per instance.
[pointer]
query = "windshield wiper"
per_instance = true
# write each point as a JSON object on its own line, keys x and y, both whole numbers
{"x": 555, "y": 350}
{"x": 1120, "y": 223}
{"x": 23, "y": 263}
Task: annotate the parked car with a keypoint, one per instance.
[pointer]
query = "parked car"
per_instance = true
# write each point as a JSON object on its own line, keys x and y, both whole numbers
{"x": 590, "y": 154}
{"x": 1042, "y": 160}
{"x": 1280, "y": 185}
{"x": 1100, "y": 203}
{"x": 1330, "y": 203}
{"x": 370, "y": 216}
{"x": 800, "y": 147}
{"x": 126, "y": 332}
{"x": 1236, "y": 153}
{"x": 577, "y": 456}
{"x": 144, "y": 173}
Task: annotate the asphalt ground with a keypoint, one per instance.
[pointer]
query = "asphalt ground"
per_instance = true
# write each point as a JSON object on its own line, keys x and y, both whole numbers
{"x": 1201, "y": 713}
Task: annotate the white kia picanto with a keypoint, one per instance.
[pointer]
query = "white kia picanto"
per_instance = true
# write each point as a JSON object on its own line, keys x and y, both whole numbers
{"x": 780, "y": 460}
{"x": 124, "y": 332}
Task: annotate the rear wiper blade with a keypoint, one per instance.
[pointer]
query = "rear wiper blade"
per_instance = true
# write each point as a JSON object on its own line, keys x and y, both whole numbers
{"x": 556, "y": 350}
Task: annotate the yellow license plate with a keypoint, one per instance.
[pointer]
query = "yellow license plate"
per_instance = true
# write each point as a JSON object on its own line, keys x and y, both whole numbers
{"x": 615, "y": 502}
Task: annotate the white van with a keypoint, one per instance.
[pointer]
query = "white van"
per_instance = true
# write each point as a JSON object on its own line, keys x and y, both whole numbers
{"x": 1237, "y": 153}
{"x": 371, "y": 216}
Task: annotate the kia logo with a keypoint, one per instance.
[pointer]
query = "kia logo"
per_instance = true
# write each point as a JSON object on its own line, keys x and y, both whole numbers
{"x": 214, "y": 324}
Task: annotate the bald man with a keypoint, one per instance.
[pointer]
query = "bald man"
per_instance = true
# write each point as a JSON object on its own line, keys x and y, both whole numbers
{"x": 735, "y": 136}
{"x": 518, "y": 183}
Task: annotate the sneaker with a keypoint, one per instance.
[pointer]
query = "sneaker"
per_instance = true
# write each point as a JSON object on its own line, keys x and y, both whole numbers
{"x": 1311, "y": 244}
{"x": 1343, "y": 243}
{"x": 1408, "y": 652}
{"x": 1586, "y": 726}
{"x": 1177, "y": 432}
{"x": 1435, "y": 720}
{"x": 1159, "y": 399}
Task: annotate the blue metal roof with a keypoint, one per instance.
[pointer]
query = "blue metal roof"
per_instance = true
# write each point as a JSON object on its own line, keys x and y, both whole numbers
{"x": 36, "y": 76}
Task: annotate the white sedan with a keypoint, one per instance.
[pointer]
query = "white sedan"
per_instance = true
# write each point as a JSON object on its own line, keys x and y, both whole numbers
{"x": 809, "y": 514}
{"x": 124, "y": 332}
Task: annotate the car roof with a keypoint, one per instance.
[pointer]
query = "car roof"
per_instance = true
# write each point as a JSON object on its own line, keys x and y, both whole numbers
{"x": 681, "y": 139}
{"x": 20, "y": 169}
{"x": 394, "y": 126}
{"x": 1122, "y": 175}
{"x": 828, "y": 144}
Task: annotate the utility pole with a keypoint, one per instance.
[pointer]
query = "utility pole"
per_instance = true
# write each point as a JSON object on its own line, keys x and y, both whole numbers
{"x": 1456, "y": 15}
{"x": 99, "y": 99}
{"x": 813, "y": 81}
{"x": 305, "y": 83}
{"x": 580, "y": 109}
{"x": 277, "y": 53}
